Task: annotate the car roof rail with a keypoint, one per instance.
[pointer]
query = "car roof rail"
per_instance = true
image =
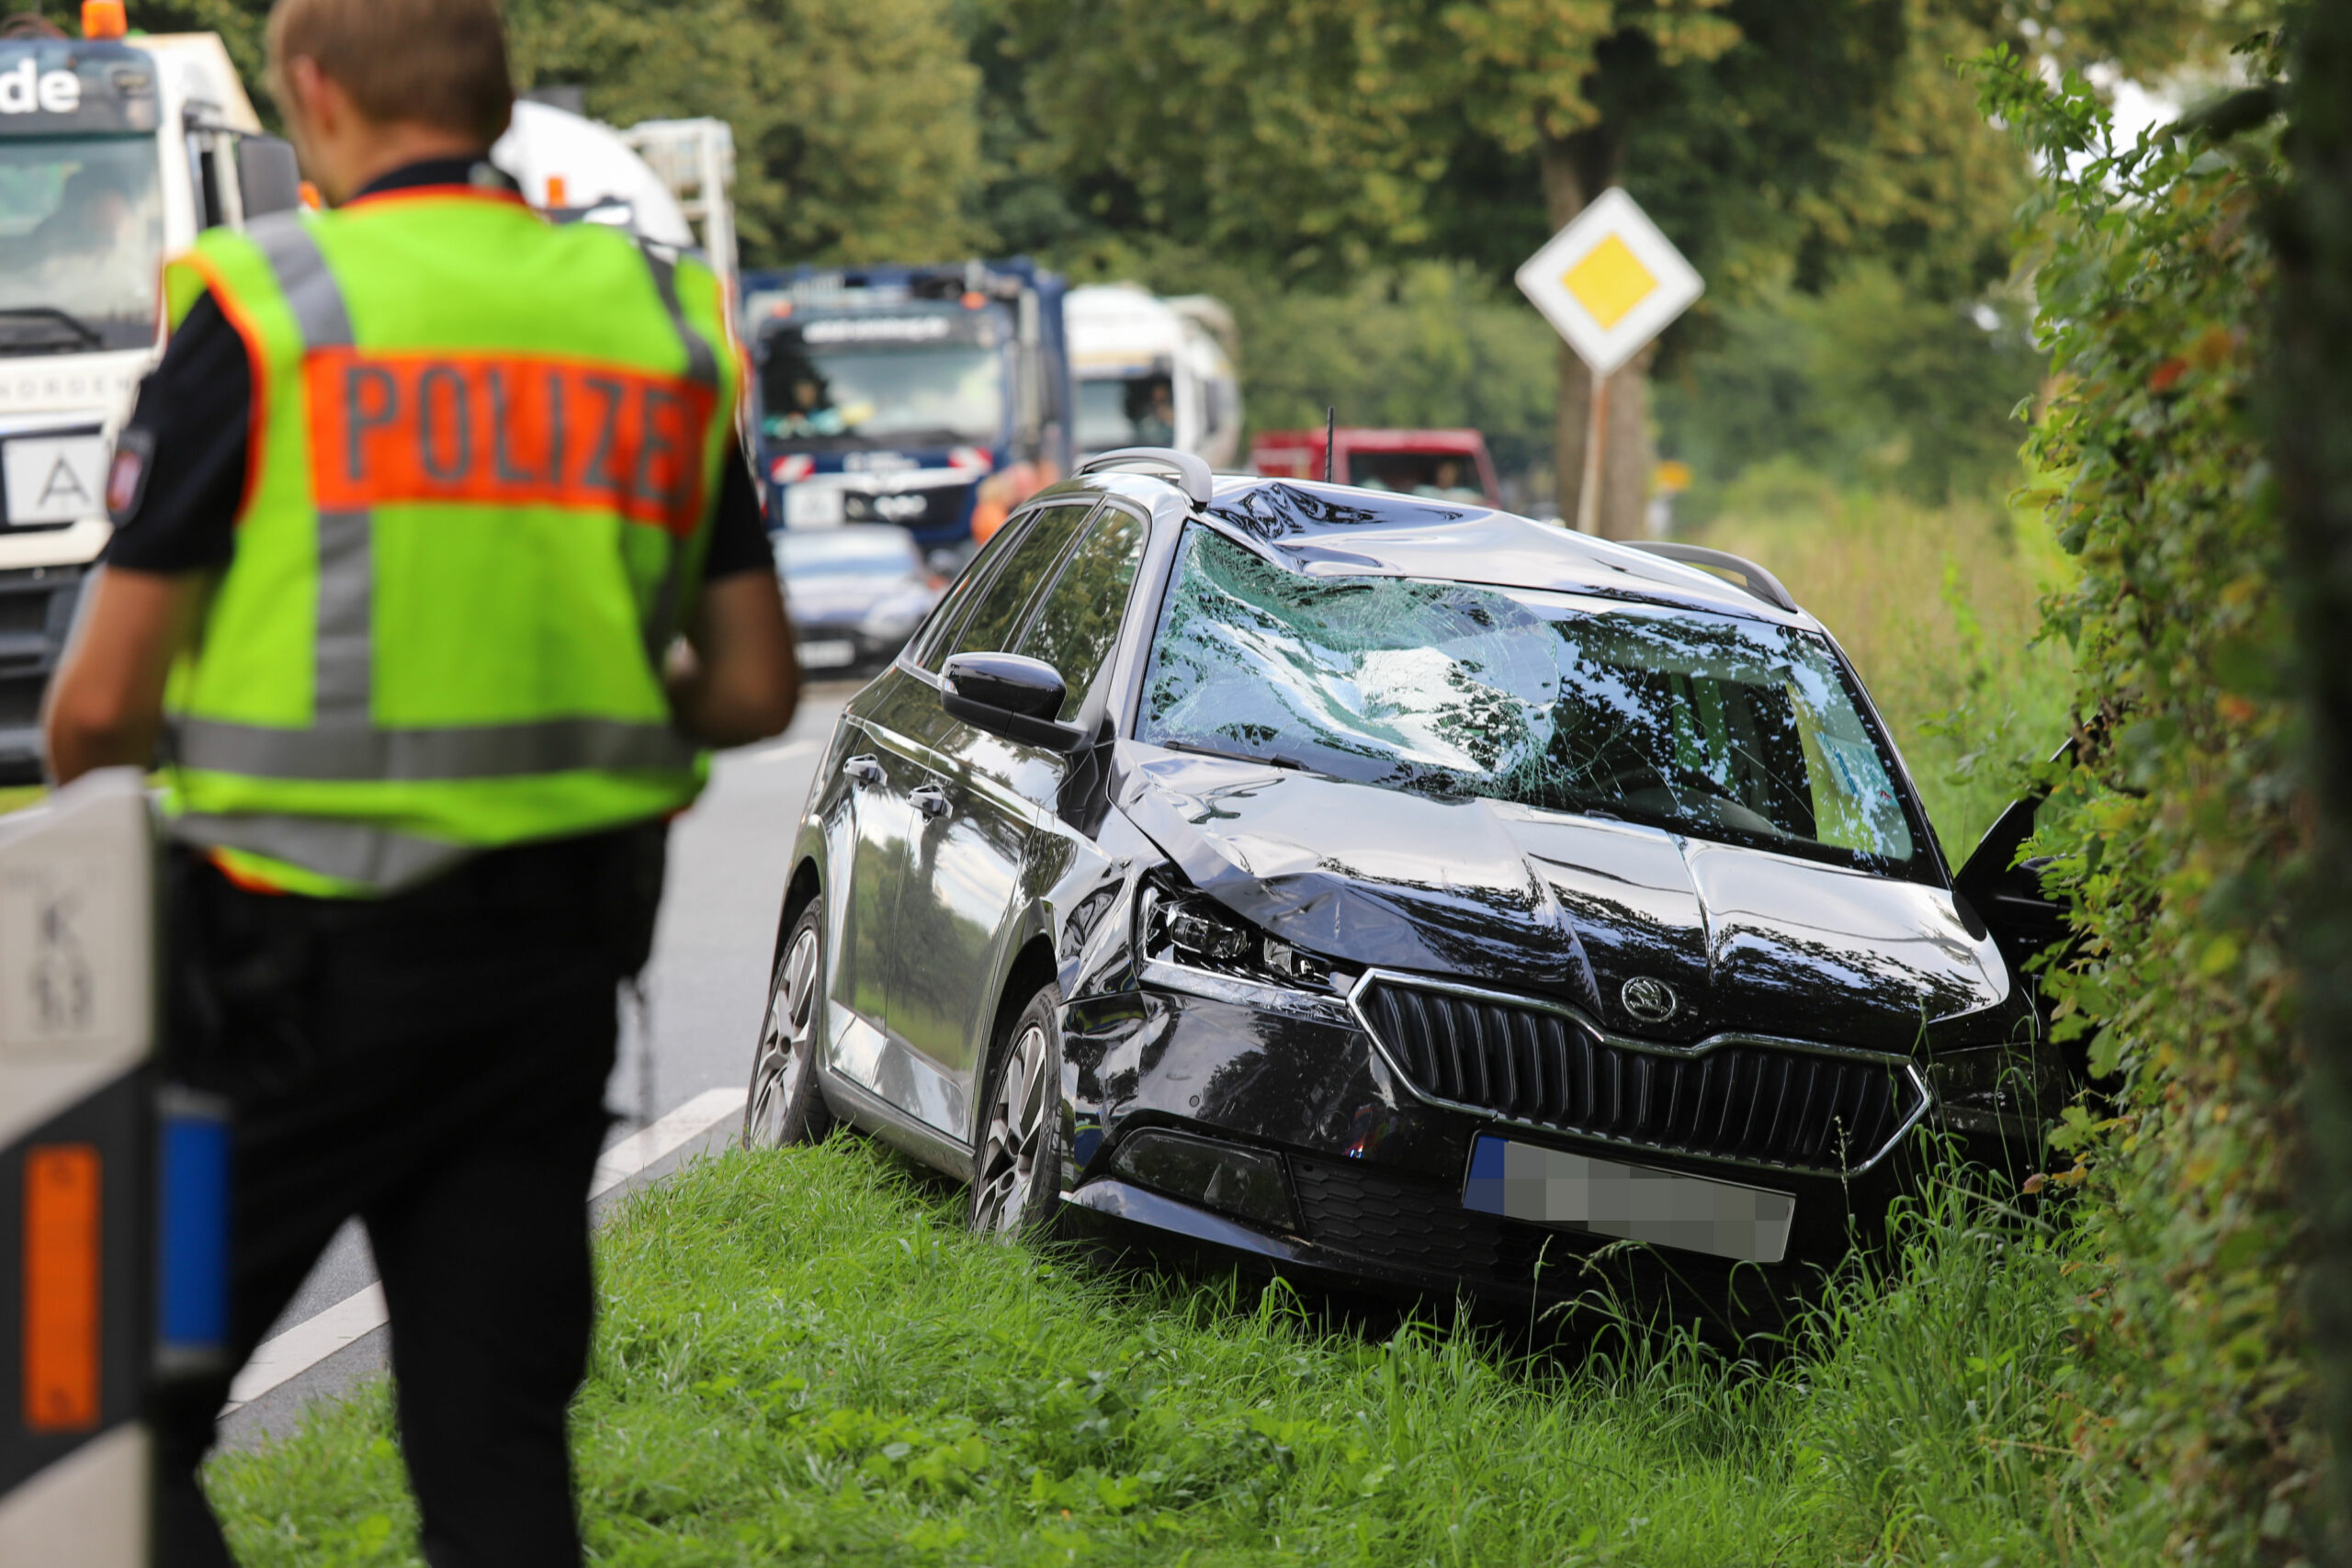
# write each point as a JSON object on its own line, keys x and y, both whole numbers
{"x": 1753, "y": 577}
{"x": 1193, "y": 474}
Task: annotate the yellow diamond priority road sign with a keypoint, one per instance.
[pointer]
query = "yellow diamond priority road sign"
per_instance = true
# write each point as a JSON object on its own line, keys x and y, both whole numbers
{"x": 1609, "y": 282}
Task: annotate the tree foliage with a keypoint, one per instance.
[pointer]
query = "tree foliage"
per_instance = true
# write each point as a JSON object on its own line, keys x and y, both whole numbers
{"x": 856, "y": 121}
{"x": 2174, "y": 829}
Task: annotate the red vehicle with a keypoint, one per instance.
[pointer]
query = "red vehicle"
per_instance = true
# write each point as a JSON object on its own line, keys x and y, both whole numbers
{"x": 1444, "y": 465}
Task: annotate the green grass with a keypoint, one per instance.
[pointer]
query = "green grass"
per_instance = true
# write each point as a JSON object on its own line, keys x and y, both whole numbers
{"x": 1938, "y": 606}
{"x": 15, "y": 797}
{"x": 803, "y": 1357}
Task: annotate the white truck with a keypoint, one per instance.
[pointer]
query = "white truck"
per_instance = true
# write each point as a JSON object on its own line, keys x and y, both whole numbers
{"x": 1154, "y": 372}
{"x": 114, "y": 154}
{"x": 117, "y": 152}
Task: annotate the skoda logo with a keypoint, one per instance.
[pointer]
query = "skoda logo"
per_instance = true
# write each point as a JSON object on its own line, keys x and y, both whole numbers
{"x": 1652, "y": 1001}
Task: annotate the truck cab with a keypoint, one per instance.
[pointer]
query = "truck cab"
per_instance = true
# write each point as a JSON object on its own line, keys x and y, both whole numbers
{"x": 114, "y": 154}
{"x": 936, "y": 399}
{"x": 1154, "y": 372}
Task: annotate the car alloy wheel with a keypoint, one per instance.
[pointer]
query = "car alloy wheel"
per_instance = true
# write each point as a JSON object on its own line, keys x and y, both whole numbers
{"x": 1017, "y": 1181}
{"x": 784, "y": 1105}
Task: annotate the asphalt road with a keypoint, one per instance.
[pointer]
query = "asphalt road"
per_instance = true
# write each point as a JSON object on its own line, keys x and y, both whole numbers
{"x": 703, "y": 988}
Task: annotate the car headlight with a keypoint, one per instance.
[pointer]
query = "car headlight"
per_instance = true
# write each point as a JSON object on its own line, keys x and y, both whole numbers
{"x": 1183, "y": 925}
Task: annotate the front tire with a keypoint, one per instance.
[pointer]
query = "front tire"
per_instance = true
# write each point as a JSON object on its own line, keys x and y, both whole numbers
{"x": 784, "y": 1105}
{"x": 1017, "y": 1185}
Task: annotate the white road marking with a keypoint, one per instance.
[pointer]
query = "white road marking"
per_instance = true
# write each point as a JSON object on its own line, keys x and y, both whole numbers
{"x": 312, "y": 1340}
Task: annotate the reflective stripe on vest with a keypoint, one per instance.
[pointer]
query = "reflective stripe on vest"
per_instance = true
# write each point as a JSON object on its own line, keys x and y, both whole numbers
{"x": 466, "y": 427}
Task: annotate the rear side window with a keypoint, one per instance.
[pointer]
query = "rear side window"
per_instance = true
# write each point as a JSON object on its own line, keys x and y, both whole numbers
{"x": 1079, "y": 622}
{"x": 1020, "y": 574}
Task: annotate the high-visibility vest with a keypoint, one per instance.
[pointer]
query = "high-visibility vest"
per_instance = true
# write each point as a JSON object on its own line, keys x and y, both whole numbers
{"x": 484, "y": 457}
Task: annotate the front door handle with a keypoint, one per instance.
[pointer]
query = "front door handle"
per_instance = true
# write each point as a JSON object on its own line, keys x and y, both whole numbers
{"x": 864, "y": 770}
{"x": 932, "y": 801}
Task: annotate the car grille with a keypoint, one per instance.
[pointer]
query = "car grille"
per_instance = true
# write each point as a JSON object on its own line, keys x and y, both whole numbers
{"x": 1758, "y": 1103}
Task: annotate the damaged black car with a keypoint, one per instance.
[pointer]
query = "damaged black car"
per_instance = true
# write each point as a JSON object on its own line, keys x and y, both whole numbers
{"x": 1395, "y": 896}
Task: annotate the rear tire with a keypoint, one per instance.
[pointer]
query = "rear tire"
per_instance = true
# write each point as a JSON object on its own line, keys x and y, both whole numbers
{"x": 784, "y": 1105}
{"x": 1017, "y": 1179}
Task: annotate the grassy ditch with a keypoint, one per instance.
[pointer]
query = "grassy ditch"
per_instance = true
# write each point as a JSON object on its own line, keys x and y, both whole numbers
{"x": 15, "y": 797}
{"x": 803, "y": 1357}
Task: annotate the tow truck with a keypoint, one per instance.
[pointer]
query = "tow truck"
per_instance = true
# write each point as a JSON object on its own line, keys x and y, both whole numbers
{"x": 936, "y": 398}
{"x": 114, "y": 154}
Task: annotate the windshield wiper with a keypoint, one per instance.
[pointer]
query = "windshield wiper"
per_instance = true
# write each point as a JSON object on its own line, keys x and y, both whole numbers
{"x": 29, "y": 336}
{"x": 1271, "y": 759}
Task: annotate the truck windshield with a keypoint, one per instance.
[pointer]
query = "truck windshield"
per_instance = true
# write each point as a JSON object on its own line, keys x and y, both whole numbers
{"x": 1714, "y": 725}
{"x": 941, "y": 393}
{"x": 1125, "y": 411}
{"x": 81, "y": 243}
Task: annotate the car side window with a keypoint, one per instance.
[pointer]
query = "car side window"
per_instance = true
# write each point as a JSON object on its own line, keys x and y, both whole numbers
{"x": 930, "y": 646}
{"x": 1026, "y": 567}
{"x": 1079, "y": 622}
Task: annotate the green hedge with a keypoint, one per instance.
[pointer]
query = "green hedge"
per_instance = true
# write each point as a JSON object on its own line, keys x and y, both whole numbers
{"x": 2175, "y": 831}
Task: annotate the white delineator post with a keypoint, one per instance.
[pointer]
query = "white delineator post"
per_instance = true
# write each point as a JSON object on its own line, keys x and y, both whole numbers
{"x": 77, "y": 1175}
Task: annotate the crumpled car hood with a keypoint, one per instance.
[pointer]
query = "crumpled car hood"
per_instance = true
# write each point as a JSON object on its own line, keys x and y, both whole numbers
{"x": 1575, "y": 906}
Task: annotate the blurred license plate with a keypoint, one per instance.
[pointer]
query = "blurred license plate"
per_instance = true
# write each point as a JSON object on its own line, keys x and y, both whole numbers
{"x": 827, "y": 655}
{"x": 54, "y": 479}
{"x": 1633, "y": 1203}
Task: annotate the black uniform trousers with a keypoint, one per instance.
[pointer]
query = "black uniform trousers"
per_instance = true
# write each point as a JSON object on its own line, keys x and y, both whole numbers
{"x": 433, "y": 1063}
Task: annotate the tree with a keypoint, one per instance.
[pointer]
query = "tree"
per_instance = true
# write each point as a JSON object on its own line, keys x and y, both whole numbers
{"x": 854, "y": 120}
{"x": 1324, "y": 135}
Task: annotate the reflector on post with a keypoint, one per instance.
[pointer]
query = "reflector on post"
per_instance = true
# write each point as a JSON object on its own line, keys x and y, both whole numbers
{"x": 63, "y": 1214}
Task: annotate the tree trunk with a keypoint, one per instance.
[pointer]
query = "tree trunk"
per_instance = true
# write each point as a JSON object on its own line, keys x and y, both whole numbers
{"x": 2311, "y": 418}
{"x": 1574, "y": 171}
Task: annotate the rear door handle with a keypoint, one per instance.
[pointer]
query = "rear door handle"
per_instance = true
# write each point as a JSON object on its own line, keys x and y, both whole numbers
{"x": 864, "y": 770}
{"x": 932, "y": 801}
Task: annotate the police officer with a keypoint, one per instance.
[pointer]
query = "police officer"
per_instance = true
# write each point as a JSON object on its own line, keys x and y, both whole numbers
{"x": 436, "y": 561}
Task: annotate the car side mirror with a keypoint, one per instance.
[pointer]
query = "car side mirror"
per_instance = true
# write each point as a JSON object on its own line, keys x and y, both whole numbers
{"x": 1009, "y": 695}
{"x": 268, "y": 178}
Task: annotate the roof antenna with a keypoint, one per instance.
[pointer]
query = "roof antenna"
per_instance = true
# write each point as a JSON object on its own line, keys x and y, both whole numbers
{"x": 1330, "y": 428}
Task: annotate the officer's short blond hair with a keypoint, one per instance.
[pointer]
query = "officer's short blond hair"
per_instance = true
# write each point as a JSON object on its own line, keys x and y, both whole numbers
{"x": 438, "y": 63}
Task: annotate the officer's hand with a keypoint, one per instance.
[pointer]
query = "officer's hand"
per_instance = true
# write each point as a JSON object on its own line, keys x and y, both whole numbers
{"x": 737, "y": 681}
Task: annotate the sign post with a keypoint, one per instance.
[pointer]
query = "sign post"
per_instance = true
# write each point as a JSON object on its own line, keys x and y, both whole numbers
{"x": 1608, "y": 282}
{"x": 77, "y": 1175}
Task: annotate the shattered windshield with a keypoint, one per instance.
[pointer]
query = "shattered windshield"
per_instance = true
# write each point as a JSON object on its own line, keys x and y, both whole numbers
{"x": 1710, "y": 724}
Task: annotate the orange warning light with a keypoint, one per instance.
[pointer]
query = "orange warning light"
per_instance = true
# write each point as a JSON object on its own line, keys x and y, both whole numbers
{"x": 104, "y": 19}
{"x": 974, "y": 300}
{"x": 556, "y": 193}
{"x": 62, "y": 1201}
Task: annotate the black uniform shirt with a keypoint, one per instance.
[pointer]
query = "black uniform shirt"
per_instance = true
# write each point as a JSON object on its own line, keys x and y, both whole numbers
{"x": 177, "y": 486}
